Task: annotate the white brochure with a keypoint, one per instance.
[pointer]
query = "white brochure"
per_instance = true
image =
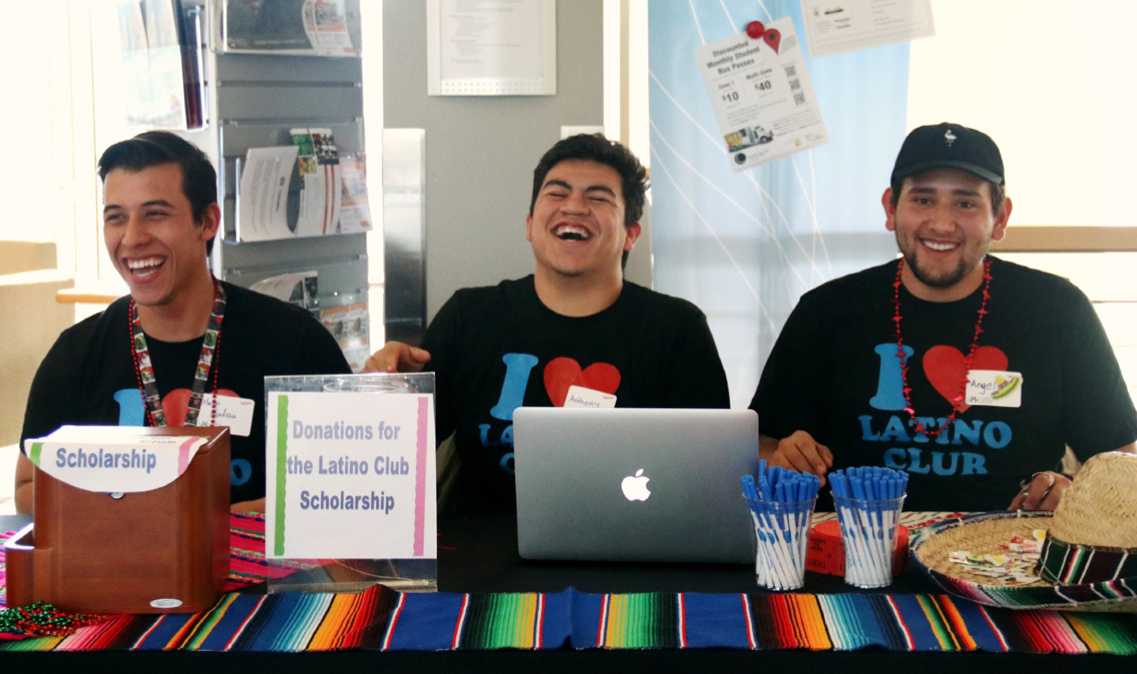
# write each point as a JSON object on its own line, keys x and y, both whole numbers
{"x": 263, "y": 203}
{"x": 350, "y": 475}
{"x": 846, "y": 25}
{"x": 762, "y": 95}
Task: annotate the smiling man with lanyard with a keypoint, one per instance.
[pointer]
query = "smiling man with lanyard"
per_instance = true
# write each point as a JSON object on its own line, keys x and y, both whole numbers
{"x": 971, "y": 373}
{"x": 183, "y": 348}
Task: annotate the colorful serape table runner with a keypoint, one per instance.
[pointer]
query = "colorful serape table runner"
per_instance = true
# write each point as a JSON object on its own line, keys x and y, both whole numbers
{"x": 384, "y": 620}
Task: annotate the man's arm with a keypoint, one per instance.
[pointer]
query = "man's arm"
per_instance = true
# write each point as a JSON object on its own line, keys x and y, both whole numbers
{"x": 256, "y": 505}
{"x": 25, "y": 494}
{"x": 51, "y": 404}
{"x": 1098, "y": 413}
{"x": 787, "y": 408}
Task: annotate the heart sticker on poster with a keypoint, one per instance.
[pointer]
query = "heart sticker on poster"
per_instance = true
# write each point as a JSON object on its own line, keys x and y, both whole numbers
{"x": 773, "y": 38}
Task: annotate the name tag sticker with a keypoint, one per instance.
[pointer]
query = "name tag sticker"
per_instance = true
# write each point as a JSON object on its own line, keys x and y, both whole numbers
{"x": 994, "y": 388}
{"x": 233, "y": 412}
{"x": 579, "y": 396}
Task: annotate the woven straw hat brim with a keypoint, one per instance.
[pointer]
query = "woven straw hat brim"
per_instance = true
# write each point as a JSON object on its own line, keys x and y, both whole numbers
{"x": 984, "y": 534}
{"x": 1100, "y": 508}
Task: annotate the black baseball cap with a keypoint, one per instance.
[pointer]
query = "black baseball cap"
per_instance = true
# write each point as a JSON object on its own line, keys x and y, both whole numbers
{"x": 948, "y": 145}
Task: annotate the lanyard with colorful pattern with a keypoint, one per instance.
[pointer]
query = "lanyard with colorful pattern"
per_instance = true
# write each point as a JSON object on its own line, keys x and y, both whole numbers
{"x": 208, "y": 360}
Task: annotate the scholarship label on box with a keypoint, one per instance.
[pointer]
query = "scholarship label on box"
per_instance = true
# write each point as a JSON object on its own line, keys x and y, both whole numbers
{"x": 113, "y": 459}
{"x": 350, "y": 475}
{"x": 762, "y": 95}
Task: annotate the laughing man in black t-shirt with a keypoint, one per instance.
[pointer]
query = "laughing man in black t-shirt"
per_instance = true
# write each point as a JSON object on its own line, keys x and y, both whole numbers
{"x": 574, "y": 322}
{"x": 180, "y": 333}
{"x": 1002, "y": 366}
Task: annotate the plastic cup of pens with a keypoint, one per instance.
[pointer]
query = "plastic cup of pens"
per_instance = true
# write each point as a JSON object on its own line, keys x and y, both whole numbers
{"x": 781, "y": 505}
{"x": 868, "y": 502}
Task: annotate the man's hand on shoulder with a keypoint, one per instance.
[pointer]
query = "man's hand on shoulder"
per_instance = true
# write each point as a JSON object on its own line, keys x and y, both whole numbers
{"x": 1041, "y": 492}
{"x": 397, "y": 357}
{"x": 799, "y": 451}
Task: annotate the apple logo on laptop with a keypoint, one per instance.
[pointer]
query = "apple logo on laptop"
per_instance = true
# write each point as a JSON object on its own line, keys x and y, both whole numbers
{"x": 635, "y": 486}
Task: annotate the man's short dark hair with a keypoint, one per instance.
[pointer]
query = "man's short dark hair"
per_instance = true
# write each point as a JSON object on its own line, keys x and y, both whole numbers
{"x": 998, "y": 194}
{"x": 153, "y": 148}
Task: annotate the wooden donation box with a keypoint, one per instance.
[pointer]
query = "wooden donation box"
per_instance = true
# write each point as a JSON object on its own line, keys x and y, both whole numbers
{"x": 127, "y": 520}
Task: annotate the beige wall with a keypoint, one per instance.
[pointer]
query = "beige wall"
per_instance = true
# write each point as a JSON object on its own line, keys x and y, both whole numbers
{"x": 34, "y": 320}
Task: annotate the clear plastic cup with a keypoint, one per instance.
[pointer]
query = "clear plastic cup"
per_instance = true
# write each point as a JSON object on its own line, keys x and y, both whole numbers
{"x": 868, "y": 532}
{"x": 781, "y": 532}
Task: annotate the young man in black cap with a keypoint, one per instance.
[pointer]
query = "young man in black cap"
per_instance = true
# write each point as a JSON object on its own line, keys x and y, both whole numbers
{"x": 969, "y": 372}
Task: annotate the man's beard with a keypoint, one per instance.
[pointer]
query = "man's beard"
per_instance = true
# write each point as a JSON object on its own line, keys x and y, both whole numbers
{"x": 944, "y": 281}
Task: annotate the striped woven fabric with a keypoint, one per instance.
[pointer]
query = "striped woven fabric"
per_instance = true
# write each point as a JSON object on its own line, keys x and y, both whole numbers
{"x": 841, "y": 622}
{"x": 382, "y": 619}
{"x": 1069, "y": 564}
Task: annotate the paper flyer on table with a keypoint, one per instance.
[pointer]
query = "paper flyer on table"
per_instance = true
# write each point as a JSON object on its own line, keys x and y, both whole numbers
{"x": 762, "y": 95}
{"x": 834, "y": 26}
{"x": 350, "y": 475}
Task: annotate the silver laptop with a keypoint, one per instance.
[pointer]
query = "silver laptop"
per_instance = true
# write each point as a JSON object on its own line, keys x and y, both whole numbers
{"x": 634, "y": 484}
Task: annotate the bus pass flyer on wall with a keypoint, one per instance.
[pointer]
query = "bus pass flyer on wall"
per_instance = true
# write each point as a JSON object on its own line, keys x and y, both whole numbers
{"x": 350, "y": 475}
{"x": 762, "y": 94}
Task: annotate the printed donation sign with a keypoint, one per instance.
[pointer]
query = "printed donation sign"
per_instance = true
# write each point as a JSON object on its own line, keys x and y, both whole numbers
{"x": 113, "y": 459}
{"x": 350, "y": 475}
{"x": 762, "y": 94}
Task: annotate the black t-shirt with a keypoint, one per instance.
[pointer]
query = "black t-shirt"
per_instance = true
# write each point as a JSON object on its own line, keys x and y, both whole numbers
{"x": 88, "y": 376}
{"x": 834, "y": 373}
{"x": 497, "y": 348}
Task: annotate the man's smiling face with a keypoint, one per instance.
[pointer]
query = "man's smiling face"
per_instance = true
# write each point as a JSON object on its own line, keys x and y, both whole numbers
{"x": 577, "y": 224}
{"x": 150, "y": 233}
{"x": 944, "y": 226}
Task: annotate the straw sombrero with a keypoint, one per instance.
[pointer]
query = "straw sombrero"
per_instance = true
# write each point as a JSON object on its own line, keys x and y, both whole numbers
{"x": 1087, "y": 561}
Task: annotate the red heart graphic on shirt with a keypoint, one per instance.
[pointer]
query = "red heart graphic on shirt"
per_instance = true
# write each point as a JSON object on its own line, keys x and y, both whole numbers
{"x": 944, "y": 368}
{"x": 175, "y": 402}
{"x": 563, "y": 372}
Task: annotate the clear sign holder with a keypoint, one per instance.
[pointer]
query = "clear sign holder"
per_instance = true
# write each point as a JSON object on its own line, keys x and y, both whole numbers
{"x": 350, "y": 574}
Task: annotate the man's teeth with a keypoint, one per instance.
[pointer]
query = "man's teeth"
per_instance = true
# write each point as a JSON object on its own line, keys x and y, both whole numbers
{"x": 572, "y": 233}
{"x": 937, "y": 245}
{"x": 144, "y": 264}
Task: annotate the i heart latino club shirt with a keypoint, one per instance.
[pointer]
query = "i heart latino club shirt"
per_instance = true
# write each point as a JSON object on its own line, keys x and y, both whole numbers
{"x": 834, "y": 372}
{"x": 494, "y": 349}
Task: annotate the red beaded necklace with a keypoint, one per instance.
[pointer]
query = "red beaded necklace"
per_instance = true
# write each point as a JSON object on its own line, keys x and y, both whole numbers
{"x": 957, "y": 400}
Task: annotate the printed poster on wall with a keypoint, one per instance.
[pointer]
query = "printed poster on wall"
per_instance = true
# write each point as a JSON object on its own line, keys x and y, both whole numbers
{"x": 762, "y": 94}
{"x": 350, "y": 475}
{"x": 845, "y": 25}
